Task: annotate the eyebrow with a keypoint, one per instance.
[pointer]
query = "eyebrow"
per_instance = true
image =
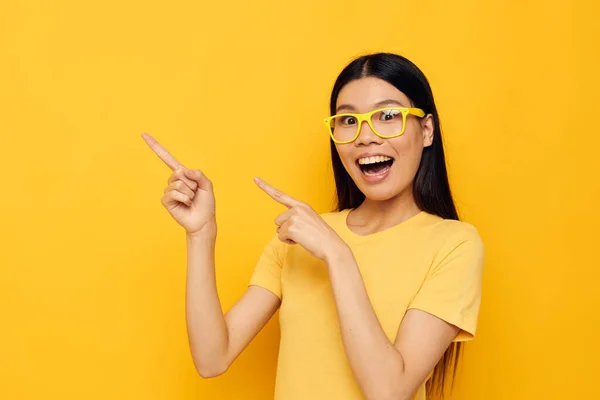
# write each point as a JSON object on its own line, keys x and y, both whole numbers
{"x": 382, "y": 103}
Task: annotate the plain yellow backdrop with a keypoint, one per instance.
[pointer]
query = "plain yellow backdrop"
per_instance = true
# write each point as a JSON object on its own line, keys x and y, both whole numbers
{"x": 93, "y": 268}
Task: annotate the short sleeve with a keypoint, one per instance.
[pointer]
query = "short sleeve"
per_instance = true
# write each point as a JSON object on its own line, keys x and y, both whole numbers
{"x": 267, "y": 272}
{"x": 452, "y": 288}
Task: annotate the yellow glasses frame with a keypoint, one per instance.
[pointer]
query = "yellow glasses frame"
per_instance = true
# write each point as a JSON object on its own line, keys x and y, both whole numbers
{"x": 366, "y": 117}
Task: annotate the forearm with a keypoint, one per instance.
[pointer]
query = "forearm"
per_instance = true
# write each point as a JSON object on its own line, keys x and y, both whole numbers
{"x": 207, "y": 331}
{"x": 376, "y": 363}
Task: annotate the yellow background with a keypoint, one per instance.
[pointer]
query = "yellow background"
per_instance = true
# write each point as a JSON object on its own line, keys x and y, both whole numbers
{"x": 93, "y": 267}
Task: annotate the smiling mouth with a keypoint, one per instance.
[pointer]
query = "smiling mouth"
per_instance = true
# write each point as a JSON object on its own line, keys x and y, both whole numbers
{"x": 375, "y": 165}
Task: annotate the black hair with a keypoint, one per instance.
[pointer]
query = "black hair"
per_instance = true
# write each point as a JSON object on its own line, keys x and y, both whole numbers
{"x": 431, "y": 189}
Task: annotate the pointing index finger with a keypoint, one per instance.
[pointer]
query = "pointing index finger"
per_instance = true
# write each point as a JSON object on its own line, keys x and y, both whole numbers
{"x": 276, "y": 194}
{"x": 162, "y": 153}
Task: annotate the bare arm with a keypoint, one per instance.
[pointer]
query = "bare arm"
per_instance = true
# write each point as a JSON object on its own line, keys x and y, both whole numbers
{"x": 449, "y": 297}
{"x": 384, "y": 370}
{"x": 217, "y": 340}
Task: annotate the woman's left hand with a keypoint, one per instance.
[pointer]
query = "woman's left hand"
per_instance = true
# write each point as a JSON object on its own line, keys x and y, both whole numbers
{"x": 302, "y": 225}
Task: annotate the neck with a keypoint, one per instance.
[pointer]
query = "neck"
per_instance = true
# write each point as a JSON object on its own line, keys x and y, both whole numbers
{"x": 382, "y": 214}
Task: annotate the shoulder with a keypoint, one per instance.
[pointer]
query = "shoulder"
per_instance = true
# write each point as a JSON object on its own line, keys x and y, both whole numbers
{"x": 450, "y": 236}
{"x": 331, "y": 215}
{"x": 335, "y": 219}
{"x": 451, "y": 230}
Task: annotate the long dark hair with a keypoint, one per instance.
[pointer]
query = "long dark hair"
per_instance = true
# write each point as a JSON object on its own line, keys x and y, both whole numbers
{"x": 431, "y": 189}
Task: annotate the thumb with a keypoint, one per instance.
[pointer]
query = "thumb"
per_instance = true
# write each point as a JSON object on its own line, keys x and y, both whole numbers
{"x": 197, "y": 176}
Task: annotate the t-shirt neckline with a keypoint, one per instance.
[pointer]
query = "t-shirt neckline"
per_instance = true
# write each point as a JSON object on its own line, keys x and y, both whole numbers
{"x": 410, "y": 222}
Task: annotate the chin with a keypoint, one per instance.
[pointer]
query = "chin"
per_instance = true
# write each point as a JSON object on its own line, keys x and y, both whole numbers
{"x": 381, "y": 193}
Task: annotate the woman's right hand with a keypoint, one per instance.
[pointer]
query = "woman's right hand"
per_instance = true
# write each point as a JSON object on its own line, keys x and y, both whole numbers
{"x": 189, "y": 196}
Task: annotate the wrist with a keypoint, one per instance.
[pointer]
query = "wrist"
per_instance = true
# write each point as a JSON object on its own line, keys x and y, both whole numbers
{"x": 338, "y": 255}
{"x": 208, "y": 233}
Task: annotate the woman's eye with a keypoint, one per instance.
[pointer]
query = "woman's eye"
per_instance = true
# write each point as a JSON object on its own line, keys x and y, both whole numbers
{"x": 348, "y": 120}
{"x": 388, "y": 115}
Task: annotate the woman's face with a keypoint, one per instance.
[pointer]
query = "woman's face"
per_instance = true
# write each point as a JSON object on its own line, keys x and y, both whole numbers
{"x": 364, "y": 159}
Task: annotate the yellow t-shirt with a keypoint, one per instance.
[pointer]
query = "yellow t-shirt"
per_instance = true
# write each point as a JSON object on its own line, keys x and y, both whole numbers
{"x": 426, "y": 262}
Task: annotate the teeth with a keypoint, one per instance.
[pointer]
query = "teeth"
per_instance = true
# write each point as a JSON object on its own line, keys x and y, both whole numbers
{"x": 373, "y": 160}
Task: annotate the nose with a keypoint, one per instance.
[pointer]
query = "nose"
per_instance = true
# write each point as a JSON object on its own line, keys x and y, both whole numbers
{"x": 366, "y": 136}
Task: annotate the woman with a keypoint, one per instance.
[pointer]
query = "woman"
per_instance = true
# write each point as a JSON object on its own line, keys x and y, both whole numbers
{"x": 375, "y": 297}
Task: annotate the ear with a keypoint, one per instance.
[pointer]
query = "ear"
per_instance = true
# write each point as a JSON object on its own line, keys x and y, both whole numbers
{"x": 427, "y": 130}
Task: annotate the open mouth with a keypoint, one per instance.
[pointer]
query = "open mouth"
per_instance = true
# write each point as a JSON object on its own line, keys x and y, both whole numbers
{"x": 375, "y": 166}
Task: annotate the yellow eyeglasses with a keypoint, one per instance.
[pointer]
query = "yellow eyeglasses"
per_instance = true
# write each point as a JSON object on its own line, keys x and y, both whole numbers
{"x": 385, "y": 122}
